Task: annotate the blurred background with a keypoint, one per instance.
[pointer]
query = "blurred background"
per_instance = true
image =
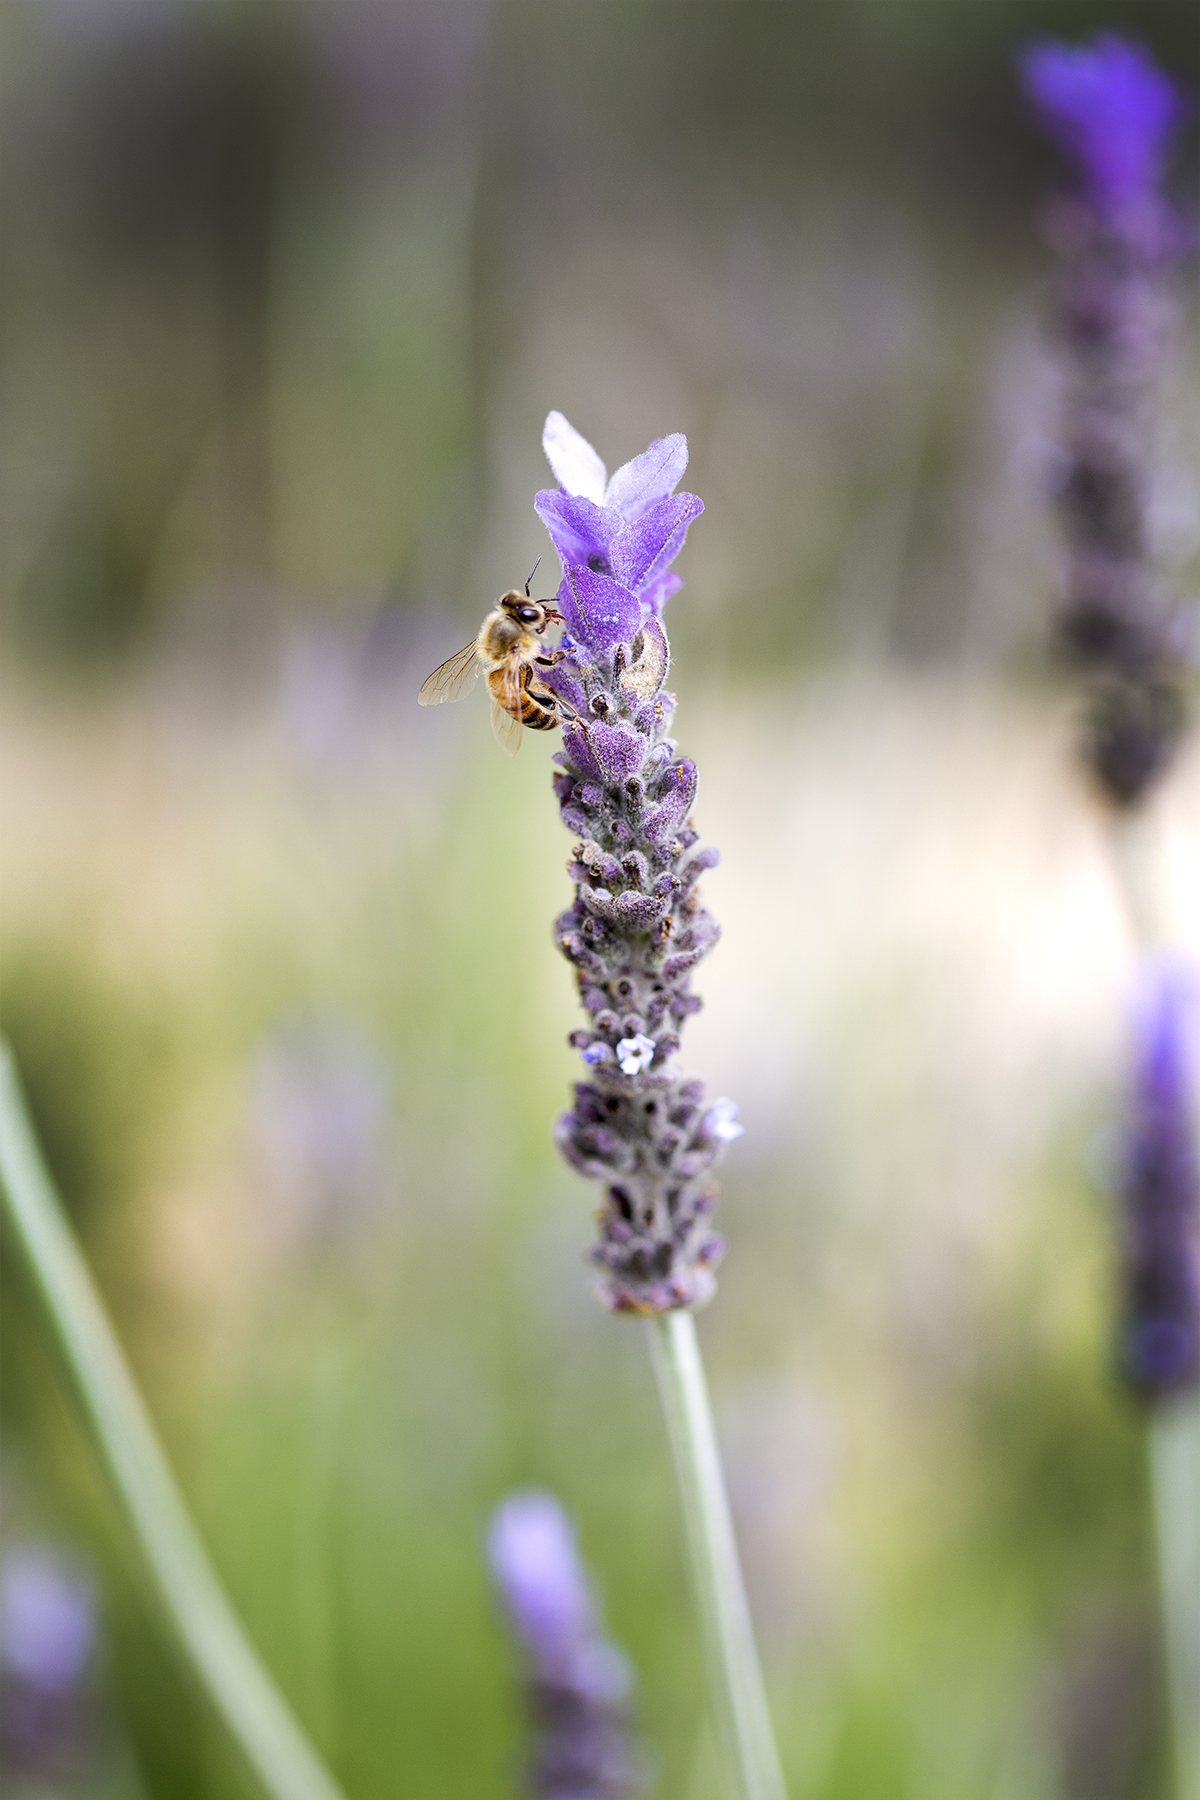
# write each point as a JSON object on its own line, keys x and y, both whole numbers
{"x": 289, "y": 287}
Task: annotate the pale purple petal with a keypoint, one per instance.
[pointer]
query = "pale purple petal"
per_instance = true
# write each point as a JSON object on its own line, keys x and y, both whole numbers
{"x": 576, "y": 466}
{"x": 659, "y": 591}
{"x": 651, "y": 476}
{"x": 531, "y": 1548}
{"x": 599, "y": 610}
{"x": 582, "y": 531}
{"x": 575, "y": 622}
{"x": 642, "y": 549}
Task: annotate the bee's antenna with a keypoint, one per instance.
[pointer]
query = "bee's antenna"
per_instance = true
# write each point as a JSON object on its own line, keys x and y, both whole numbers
{"x": 530, "y": 576}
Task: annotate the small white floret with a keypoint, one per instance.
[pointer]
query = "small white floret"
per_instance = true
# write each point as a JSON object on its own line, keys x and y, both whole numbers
{"x": 635, "y": 1054}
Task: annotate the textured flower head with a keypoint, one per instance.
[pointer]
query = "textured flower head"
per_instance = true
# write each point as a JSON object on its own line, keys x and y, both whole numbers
{"x": 1111, "y": 108}
{"x": 617, "y": 536}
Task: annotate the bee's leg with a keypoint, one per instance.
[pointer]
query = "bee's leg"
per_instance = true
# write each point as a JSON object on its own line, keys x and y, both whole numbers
{"x": 563, "y": 711}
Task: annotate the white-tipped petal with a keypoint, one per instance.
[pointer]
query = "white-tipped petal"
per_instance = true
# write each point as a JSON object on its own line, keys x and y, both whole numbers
{"x": 576, "y": 466}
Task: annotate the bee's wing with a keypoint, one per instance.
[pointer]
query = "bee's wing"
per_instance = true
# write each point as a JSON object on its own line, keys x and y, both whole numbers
{"x": 452, "y": 680}
{"x": 506, "y": 724}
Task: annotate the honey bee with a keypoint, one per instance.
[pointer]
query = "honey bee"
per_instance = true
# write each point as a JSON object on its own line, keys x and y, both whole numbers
{"x": 508, "y": 653}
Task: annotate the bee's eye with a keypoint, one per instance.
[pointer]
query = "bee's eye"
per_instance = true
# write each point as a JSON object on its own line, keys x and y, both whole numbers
{"x": 529, "y": 615}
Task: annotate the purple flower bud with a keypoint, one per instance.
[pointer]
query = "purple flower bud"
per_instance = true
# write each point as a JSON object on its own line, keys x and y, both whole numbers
{"x": 1162, "y": 1191}
{"x": 637, "y": 927}
{"x": 578, "y": 1682}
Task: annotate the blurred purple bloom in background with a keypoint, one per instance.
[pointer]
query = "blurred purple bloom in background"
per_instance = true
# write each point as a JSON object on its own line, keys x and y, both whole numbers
{"x": 1161, "y": 1352}
{"x": 48, "y": 1727}
{"x": 318, "y": 1111}
{"x": 636, "y": 927}
{"x": 47, "y": 1625}
{"x": 1113, "y": 111}
{"x": 579, "y": 1682}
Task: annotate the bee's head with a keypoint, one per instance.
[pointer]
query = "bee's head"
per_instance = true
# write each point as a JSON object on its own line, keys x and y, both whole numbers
{"x": 530, "y": 613}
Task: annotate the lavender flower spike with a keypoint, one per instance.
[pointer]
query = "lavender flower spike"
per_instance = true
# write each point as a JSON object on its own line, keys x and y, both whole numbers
{"x": 579, "y": 1682}
{"x": 1162, "y": 1192}
{"x": 636, "y": 928}
{"x": 1113, "y": 112}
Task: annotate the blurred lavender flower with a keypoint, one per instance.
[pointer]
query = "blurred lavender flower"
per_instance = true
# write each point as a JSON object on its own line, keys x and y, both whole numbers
{"x": 318, "y": 1105}
{"x": 48, "y": 1730}
{"x": 1113, "y": 112}
{"x": 1161, "y": 1351}
{"x": 579, "y": 1682}
{"x": 636, "y": 928}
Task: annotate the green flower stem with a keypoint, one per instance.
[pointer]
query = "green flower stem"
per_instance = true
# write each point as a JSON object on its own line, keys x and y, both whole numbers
{"x": 240, "y": 1687}
{"x": 1175, "y": 1471}
{"x": 735, "y": 1677}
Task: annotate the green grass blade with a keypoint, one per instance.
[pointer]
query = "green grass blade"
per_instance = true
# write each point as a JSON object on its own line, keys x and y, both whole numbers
{"x": 240, "y": 1687}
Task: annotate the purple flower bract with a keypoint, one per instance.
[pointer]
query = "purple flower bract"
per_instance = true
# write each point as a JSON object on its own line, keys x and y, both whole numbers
{"x": 629, "y": 528}
{"x": 1111, "y": 108}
